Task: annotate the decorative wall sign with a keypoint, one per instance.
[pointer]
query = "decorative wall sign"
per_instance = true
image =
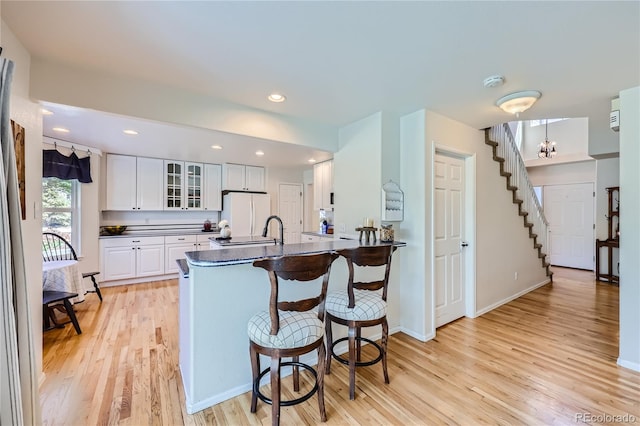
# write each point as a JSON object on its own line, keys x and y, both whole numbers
{"x": 18, "y": 142}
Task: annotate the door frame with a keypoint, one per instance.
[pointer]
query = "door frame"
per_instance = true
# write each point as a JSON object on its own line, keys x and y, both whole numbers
{"x": 301, "y": 188}
{"x": 469, "y": 159}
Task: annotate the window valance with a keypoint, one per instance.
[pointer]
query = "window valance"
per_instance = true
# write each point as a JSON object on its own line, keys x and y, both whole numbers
{"x": 56, "y": 164}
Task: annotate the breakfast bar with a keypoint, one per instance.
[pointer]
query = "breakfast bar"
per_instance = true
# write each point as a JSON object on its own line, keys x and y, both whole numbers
{"x": 219, "y": 293}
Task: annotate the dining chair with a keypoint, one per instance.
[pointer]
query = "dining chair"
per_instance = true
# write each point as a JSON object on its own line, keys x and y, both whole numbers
{"x": 56, "y": 247}
{"x": 289, "y": 329}
{"x": 361, "y": 304}
{"x": 50, "y": 301}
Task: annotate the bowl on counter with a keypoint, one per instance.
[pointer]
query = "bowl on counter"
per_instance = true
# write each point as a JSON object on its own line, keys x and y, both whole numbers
{"x": 114, "y": 230}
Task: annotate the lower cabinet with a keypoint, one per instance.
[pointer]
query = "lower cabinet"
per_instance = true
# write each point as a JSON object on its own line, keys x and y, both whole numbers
{"x": 126, "y": 258}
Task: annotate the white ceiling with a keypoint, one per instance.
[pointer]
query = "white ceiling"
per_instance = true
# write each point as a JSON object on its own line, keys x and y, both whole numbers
{"x": 338, "y": 62}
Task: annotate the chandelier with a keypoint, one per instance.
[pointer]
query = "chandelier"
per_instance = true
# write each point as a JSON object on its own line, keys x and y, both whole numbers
{"x": 547, "y": 148}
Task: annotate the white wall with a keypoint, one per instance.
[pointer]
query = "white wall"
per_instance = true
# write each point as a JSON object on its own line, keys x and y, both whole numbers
{"x": 357, "y": 182}
{"x": 563, "y": 174}
{"x": 571, "y": 137}
{"x": 497, "y": 259}
{"x": 416, "y": 292}
{"x": 629, "y": 229}
{"x": 27, "y": 114}
{"x": 357, "y": 174}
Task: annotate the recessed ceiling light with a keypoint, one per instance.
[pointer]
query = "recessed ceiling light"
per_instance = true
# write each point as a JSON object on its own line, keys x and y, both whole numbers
{"x": 216, "y": 147}
{"x": 259, "y": 153}
{"x": 276, "y": 97}
{"x": 311, "y": 160}
{"x": 46, "y": 112}
{"x": 60, "y": 129}
{"x": 130, "y": 132}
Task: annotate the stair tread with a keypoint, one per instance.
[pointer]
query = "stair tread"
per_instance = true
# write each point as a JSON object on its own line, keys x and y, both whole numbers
{"x": 492, "y": 143}
{"x": 499, "y": 159}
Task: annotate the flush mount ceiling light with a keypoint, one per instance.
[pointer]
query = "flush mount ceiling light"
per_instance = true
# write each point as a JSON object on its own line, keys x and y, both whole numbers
{"x": 259, "y": 153}
{"x": 515, "y": 103}
{"x": 46, "y": 112}
{"x": 311, "y": 160}
{"x": 216, "y": 147}
{"x": 60, "y": 129}
{"x": 276, "y": 97}
{"x": 130, "y": 132}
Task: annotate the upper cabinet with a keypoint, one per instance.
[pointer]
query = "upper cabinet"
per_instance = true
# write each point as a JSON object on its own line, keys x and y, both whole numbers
{"x": 212, "y": 187}
{"x": 240, "y": 177}
{"x": 138, "y": 183}
{"x": 122, "y": 171}
{"x": 323, "y": 185}
{"x": 183, "y": 185}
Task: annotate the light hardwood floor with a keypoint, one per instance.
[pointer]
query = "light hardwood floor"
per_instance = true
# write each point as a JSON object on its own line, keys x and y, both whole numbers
{"x": 548, "y": 357}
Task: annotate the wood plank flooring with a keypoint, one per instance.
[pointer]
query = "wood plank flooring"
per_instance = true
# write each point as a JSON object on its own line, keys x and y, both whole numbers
{"x": 548, "y": 358}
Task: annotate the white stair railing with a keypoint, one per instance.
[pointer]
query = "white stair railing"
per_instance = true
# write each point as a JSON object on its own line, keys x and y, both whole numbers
{"x": 514, "y": 164}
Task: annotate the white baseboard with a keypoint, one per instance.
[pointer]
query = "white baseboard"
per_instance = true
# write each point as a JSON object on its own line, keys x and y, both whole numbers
{"x": 41, "y": 381}
{"x": 510, "y": 298}
{"x": 635, "y": 366}
{"x": 417, "y": 336}
{"x": 138, "y": 280}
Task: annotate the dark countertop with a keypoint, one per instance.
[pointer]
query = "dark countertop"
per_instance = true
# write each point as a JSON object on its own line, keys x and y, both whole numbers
{"x": 162, "y": 233}
{"x": 184, "y": 267}
{"x": 247, "y": 254}
{"x": 235, "y": 241}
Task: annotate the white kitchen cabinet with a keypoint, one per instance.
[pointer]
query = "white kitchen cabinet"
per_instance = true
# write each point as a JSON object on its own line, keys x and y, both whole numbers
{"x": 323, "y": 185}
{"x": 133, "y": 183}
{"x": 131, "y": 257}
{"x": 148, "y": 184}
{"x": 240, "y": 177}
{"x": 175, "y": 247}
{"x": 212, "y": 187}
{"x": 183, "y": 185}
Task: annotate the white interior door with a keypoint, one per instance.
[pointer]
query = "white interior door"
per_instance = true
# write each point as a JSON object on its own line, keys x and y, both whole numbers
{"x": 569, "y": 211}
{"x": 290, "y": 211}
{"x": 449, "y": 233}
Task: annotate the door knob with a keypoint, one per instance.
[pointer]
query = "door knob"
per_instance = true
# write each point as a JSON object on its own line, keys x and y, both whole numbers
{"x": 464, "y": 244}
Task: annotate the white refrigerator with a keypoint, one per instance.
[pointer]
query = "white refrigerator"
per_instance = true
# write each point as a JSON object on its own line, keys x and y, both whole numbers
{"x": 246, "y": 213}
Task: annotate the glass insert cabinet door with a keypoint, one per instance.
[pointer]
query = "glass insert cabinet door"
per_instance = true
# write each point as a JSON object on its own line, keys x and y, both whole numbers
{"x": 173, "y": 185}
{"x": 183, "y": 185}
{"x": 194, "y": 186}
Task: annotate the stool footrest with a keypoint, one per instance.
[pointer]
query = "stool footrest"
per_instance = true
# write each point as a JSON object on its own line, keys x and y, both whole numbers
{"x": 358, "y": 363}
{"x": 263, "y": 398}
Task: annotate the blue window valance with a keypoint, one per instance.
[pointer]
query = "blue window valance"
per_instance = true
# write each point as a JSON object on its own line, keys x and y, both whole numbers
{"x": 56, "y": 164}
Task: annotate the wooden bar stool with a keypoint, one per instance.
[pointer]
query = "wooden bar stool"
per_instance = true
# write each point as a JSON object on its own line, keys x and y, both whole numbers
{"x": 360, "y": 305}
{"x": 290, "y": 329}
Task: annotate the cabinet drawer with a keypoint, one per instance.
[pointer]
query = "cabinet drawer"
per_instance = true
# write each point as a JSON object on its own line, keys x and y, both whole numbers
{"x": 180, "y": 239}
{"x": 131, "y": 241}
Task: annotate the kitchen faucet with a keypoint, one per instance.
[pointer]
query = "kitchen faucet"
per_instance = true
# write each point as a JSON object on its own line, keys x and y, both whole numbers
{"x": 281, "y": 226}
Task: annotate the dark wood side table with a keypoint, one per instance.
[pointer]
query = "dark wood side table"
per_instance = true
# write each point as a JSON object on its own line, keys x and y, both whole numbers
{"x": 609, "y": 276}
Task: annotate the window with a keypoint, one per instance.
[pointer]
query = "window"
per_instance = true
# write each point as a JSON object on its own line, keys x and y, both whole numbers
{"x": 534, "y": 123}
{"x": 61, "y": 209}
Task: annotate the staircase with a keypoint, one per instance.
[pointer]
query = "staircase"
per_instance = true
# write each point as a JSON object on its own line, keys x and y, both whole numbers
{"x": 512, "y": 167}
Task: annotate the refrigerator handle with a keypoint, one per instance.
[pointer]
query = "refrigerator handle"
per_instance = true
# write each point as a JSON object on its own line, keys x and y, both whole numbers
{"x": 252, "y": 210}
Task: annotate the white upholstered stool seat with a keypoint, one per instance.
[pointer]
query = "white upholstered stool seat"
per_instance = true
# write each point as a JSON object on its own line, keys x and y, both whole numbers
{"x": 369, "y": 305}
{"x": 297, "y": 329}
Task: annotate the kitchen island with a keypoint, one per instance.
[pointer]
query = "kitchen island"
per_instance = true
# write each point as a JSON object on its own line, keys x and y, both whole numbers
{"x": 221, "y": 293}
